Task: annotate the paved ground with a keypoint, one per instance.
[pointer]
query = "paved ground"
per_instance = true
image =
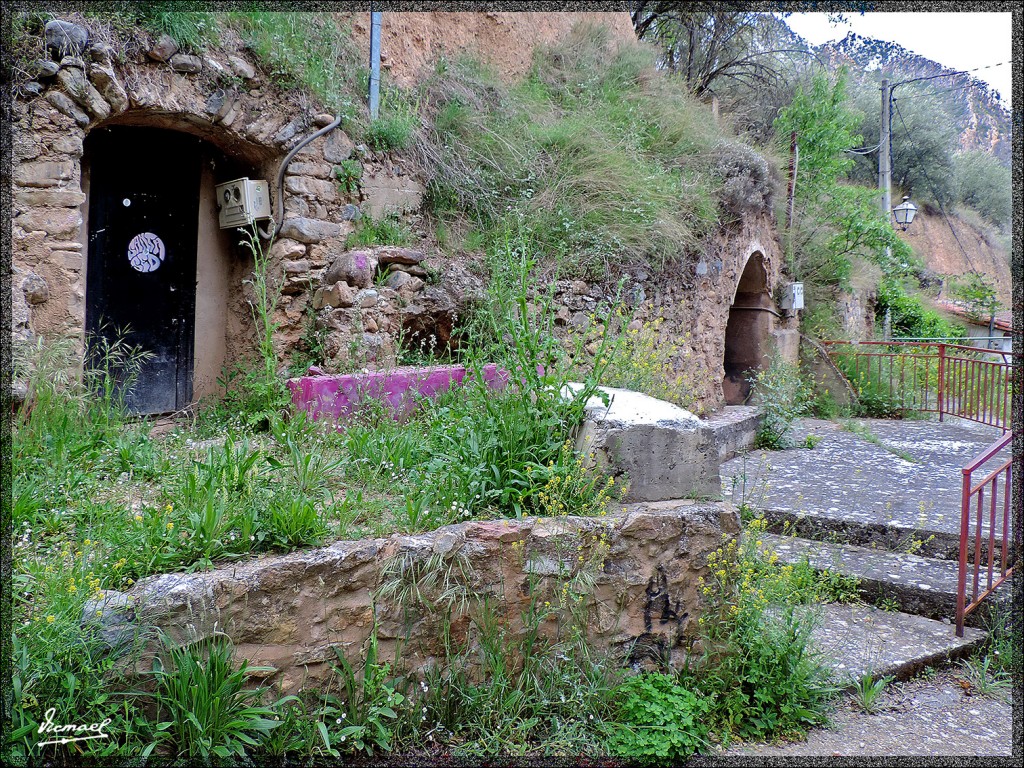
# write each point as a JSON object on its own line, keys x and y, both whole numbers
{"x": 861, "y": 504}
{"x": 847, "y": 479}
{"x": 932, "y": 717}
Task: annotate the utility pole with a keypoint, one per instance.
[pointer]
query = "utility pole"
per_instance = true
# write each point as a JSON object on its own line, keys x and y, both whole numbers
{"x": 884, "y": 152}
{"x": 375, "y": 19}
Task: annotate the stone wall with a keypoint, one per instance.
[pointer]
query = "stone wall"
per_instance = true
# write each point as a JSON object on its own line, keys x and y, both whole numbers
{"x": 226, "y": 99}
{"x": 357, "y": 303}
{"x": 290, "y": 611}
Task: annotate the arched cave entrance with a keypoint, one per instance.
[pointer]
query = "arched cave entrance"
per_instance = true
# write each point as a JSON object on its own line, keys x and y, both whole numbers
{"x": 747, "y": 331}
{"x": 160, "y": 273}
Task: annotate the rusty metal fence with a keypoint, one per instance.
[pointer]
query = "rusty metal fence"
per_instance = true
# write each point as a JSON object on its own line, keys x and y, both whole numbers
{"x": 894, "y": 377}
{"x": 985, "y": 533}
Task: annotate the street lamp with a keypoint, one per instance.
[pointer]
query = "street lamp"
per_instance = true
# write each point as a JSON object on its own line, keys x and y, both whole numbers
{"x": 904, "y": 213}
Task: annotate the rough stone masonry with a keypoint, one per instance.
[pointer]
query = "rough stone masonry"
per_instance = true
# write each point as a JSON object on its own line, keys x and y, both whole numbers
{"x": 291, "y": 612}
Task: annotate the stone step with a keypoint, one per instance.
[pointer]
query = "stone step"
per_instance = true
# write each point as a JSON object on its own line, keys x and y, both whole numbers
{"x": 856, "y": 640}
{"x": 923, "y": 586}
{"x": 891, "y": 536}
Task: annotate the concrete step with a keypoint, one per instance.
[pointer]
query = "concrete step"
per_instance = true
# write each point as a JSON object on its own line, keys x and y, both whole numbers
{"x": 923, "y": 586}
{"x": 734, "y": 429}
{"x": 857, "y": 640}
{"x": 893, "y": 536}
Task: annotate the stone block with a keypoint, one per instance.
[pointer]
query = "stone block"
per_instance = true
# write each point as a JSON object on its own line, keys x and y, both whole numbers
{"x": 666, "y": 451}
{"x": 307, "y": 230}
{"x": 63, "y": 104}
{"x": 47, "y": 173}
{"x": 49, "y": 198}
{"x": 315, "y": 170}
{"x": 53, "y": 221}
{"x": 83, "y": 92}
{"x": 309, "y": 187}
{"x": 395, "y": 255}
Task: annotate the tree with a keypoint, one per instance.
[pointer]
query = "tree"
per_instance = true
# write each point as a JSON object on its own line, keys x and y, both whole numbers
{"x": 707, "y": 43}
{"x": 984, "y": 184}
{"x": 978, "y": 296}
{"x": 836, "y": 220}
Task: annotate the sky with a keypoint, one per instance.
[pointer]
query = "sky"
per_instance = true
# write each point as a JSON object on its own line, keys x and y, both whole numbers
{"x": 957, "y": 40}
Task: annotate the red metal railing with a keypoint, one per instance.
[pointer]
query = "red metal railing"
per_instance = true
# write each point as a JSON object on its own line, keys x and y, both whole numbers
{"x": 983, "y": 527}
{"x": 897, "y": 376}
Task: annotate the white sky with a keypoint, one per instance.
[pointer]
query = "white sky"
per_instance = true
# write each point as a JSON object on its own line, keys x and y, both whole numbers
{"x": 957, "y": 40}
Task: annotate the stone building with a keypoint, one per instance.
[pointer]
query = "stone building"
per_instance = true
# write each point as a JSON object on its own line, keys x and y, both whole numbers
{"x": 115, "y": 223}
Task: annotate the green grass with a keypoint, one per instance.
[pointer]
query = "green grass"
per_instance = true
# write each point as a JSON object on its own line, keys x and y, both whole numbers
{"x": 864, "y": 431}
{"x": 603, "y": 160}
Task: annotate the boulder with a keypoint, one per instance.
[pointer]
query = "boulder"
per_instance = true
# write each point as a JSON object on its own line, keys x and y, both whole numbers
{"x": 183, "y": 62}
{"x": 163, "y": 49}
{"x": 110, "y": 89}
{"x": 44, "y": 68}
{"x": 64, "y": 38}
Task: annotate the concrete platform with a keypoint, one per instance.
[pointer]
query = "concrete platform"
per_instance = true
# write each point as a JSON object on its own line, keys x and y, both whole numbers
{"x": 859, "y": 639}
{"x": 862, "y": 491}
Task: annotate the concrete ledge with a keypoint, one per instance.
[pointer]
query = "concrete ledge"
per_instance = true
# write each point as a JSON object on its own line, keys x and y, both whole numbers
{"x": 857, "y": 640}
{"x": 666, "y": 451}
{"x": 735, "y": 429}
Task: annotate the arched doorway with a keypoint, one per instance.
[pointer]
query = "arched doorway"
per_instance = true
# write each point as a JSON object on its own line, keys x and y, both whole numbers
{"x": 160, "y": 274}
{"x": 747, "y": 330}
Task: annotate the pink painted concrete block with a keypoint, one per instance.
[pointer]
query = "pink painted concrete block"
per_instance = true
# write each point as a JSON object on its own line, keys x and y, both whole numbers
{"x": 339, "y": 396}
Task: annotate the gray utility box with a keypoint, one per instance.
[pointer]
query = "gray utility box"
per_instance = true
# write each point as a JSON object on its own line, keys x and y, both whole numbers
{"x": 241, "y": 202}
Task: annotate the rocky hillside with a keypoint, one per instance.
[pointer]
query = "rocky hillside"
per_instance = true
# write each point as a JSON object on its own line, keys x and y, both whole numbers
{"x": 978, "y": 249}
{"x": 981, "y": 117}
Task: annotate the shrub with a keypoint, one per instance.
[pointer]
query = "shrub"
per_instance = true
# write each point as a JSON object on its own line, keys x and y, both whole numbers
{"x": 759, "y": 670}
{"x": 781, "y": 394}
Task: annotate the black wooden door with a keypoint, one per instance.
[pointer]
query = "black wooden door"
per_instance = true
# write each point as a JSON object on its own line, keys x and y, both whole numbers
{"x": 141, "y": 282}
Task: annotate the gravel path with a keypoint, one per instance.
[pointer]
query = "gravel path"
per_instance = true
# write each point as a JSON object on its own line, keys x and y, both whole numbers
{"x": 919, "y": 717}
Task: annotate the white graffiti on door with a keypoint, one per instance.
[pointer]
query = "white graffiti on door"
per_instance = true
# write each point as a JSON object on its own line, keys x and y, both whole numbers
{"x": 146, "y": 252}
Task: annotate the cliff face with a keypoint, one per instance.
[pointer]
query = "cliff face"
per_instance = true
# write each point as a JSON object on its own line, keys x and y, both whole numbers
{"x": 412, "y": 42}
{"x": 982, "y": 120}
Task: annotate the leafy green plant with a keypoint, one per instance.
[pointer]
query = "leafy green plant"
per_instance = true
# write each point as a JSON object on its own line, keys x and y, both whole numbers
{"x": 759, "y": 669}
{"x": 387, "y": 230}
{"x": 868, "y": 691}
{"x": 348, "y": 173}
{"x": 370, "y": 713}
{"x": 264, "y": 394}
{"x": 204, "y": 711}
{"x": 658, "y": 719}
{"x": 780, "y": 392}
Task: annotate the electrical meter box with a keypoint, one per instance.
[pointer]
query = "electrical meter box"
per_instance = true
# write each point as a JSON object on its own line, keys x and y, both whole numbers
{"x": 793, "y": 296}
{"x": 242, "y": 201}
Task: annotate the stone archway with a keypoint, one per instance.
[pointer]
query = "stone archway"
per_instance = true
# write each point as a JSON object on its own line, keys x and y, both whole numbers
{"x": 154, "y": 174}
{"x": 748, "y": 330}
